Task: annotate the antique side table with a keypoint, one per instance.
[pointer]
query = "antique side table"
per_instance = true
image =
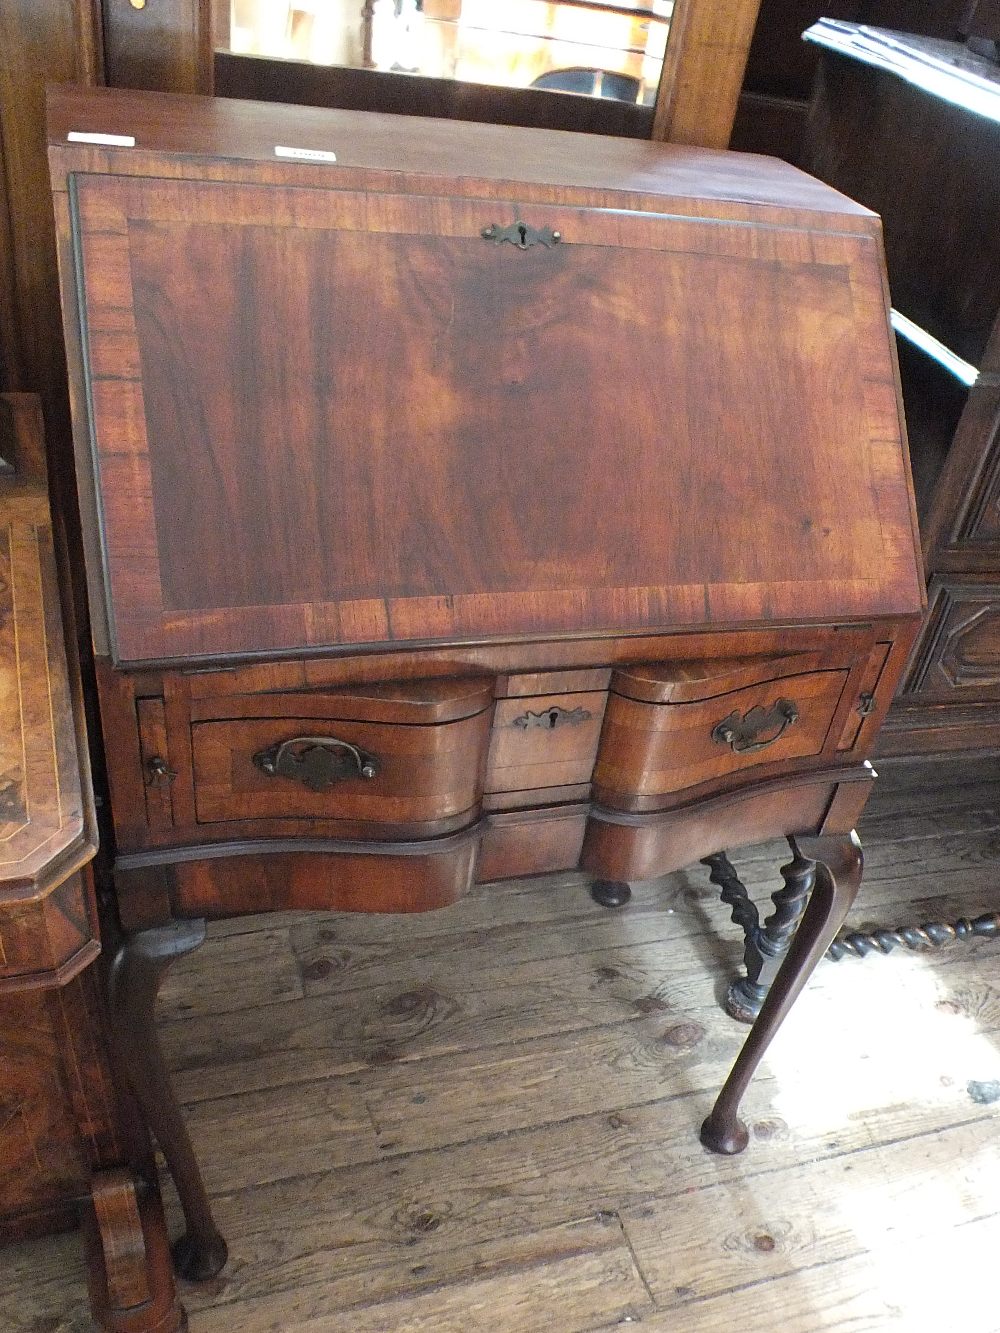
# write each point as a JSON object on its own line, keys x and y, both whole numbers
{"x": 465, "y": 502}
{"x": 72, "y": 1148}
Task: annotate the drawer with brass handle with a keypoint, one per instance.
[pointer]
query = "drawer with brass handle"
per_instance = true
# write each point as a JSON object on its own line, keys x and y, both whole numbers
{"x": 361, "y": 757}
{"x": 713, "y": 720}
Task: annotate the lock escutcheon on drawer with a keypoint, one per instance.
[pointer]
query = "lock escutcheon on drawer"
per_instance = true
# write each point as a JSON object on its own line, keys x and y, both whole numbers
{"x": 547, "y": 740}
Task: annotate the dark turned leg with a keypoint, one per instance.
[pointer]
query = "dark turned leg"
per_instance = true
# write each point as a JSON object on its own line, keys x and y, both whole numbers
{"x": 610, "y": 892}
{"x": 767, "y": 944}
{"x": 134, "y": 980}
{"x": 837, "y": 879}
{"x": 928, "y": 935}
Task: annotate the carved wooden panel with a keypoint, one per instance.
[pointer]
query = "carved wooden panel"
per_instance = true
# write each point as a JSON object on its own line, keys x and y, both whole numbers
{"x": 429, "y": 450}
{"x": 981, "y": 420}
{"x": 960, "y": 648}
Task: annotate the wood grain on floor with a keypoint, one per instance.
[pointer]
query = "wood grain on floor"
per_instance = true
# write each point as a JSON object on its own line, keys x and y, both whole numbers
{"x": 486, "y": 1118}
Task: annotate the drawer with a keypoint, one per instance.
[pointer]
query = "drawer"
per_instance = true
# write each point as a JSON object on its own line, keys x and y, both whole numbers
{"x": 547, "y": 740}
{"x": 330, "y": 757}
{"x": 681, "y": 724}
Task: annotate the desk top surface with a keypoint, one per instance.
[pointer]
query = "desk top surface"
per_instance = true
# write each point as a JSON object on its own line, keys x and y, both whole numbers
{"x": 226, "y": 129}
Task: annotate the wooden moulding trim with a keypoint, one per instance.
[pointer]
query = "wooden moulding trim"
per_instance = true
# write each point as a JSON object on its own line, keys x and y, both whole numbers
{"x": 433, "y": 702}
{"x": 826, "y": 776}
{"x": 138, "y": 862}
{"x": 730, "y": 786}
{"x": 29, "y": 888}
{"x": 55, "y": 977}
{"x": 702, "y": 678}
{"x": 922, "y": 728}
{"x": 345, "y": 664}
{"x": 426, "y": 847}
{"x": 630, "y": 847}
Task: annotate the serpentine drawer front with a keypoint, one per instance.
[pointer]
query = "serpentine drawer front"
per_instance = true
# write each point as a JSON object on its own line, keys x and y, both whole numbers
{"x": 676, "y": 726}
{"x": 404, "y": 756}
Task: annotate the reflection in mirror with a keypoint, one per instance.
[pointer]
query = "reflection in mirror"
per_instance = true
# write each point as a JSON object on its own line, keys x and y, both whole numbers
{"x": 601, "y": 48}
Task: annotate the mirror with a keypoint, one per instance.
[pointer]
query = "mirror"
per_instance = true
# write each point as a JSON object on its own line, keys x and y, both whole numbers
{"x": 599, "y": 48}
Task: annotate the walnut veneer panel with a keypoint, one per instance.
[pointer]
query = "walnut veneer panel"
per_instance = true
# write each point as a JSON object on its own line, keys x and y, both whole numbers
{"x": 322, "y": 392}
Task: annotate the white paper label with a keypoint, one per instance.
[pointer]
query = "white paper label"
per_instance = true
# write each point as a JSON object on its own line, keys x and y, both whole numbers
{"x": 305, "y": 154}
{"x": 111, "y": 140}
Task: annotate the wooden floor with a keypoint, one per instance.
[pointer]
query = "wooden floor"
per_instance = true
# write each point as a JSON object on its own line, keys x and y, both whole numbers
{"x": 485, "y": 1119}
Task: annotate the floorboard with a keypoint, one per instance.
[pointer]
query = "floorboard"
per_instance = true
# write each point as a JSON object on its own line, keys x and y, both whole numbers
{"x": 486, "y": 1118}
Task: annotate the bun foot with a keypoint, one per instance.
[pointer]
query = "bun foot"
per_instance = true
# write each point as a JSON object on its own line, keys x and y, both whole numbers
{"x": 725, "y": 1137}
{"x": 610, "y": 892}
{"x": 196, "y": 1260}
{"x": 744, "y": 999}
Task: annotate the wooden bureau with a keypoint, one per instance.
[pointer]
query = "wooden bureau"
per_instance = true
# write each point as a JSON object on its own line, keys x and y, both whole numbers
{"x": 466, "y": 502}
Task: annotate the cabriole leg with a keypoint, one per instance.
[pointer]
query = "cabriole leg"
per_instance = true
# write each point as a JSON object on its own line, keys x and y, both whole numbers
{"x": 134, "y": 981}
{"x": 837, "y": 879}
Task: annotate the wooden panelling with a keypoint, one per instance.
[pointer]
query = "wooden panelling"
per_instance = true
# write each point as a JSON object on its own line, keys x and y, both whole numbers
{"x": 40, "y": 41}
{"x": 960, "y": 647}
{"x": 163, "y": 44}
{"x": 963, "y": 527}
{"x": 902, "y": 144}
{"x": 921, "y": 162}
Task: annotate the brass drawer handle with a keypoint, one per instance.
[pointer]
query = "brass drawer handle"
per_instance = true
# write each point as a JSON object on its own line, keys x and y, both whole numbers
{"x": 317, "y": 761}
{"x": 740, "y": 733}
